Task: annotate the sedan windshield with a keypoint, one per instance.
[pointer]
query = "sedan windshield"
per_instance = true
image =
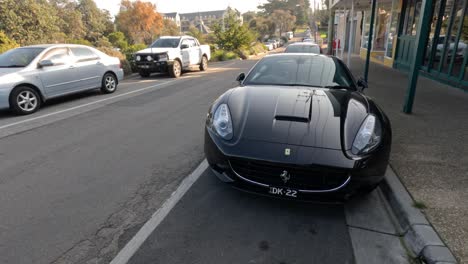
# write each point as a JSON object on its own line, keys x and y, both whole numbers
{"x": 300, "y": 70}
{"x": 166, "y": 43}
{"x": 303, "y": 49}
{"x": 20, "y": 57}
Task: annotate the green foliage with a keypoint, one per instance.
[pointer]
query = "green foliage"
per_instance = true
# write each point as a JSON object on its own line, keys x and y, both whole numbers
{"x": 298, "y": 8}
{"x": 170, "y": 28}
{"x": 194, "y": 32}
{"x": 103, "y": 42}
{"x": 231, "y": 35}
{"x": 80, "y": 42}
{"x": 222, "y": 55}
{"x": 29, "y": 21}
{"x": 97, "y": 22}
{"x": 6, "y": 43}
{"x": 118, "y": 40}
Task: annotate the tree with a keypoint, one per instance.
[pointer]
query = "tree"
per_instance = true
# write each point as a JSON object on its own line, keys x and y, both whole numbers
{"x": 139, "y": 21}
{"x": 233, "y": 36}
{"x": 283, "y": 20}
{"x": 263, "y": 25}
{"x": 196, "y": 33}
{"x": 170, "y": 28}
{"x": 118, "y": 40}
{"x": 97, "y": 22}
{"x": 6, "y": 43}
{"x": 298, "y": 8}
{"x": 29, "y": 21}
{"x": 71, "y": 23}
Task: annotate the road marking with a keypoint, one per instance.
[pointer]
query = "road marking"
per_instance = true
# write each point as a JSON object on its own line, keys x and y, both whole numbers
{"x": 135, "y": 243}
{"x": 84, "y": 105}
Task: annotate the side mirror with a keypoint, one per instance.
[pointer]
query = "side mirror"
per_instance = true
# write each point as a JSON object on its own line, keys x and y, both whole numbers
{"x": 45, "y": 63}
{"x": 240, "y": 77}
{"x": 184, "y": 46}
{"x": 362, "y": 84}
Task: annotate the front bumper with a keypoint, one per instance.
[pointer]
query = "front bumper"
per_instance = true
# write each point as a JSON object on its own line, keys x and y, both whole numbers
{"x": 4, "y": 98}
{"x": 153, "y": 66}
{"x": 324, "y": 179}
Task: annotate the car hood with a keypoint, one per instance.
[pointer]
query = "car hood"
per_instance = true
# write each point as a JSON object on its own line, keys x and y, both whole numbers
{"x": 154, "y": 50}
{"x": 302, "y": 116}
{"x": 7, "y": 71}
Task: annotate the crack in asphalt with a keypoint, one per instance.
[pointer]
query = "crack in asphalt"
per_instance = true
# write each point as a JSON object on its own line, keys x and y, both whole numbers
{"x": 120, "y": 226}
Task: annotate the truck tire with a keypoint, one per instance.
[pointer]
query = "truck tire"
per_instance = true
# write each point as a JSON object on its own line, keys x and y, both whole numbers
{"x": 175, "y": 70}
{"x": 144, "y": 74}
{"x": 204, "y": 63}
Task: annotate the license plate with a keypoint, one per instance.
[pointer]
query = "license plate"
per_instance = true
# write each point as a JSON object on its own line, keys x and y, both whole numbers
{"x": 281, "y": 191}
{"x": 144, "y": 66}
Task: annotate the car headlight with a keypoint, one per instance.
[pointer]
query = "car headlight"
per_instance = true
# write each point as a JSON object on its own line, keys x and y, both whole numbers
{"x": 149, "y": 58}
{"x": 138, "y": 58}
{"x": 222, "y": 122}
{"x": 163, "y": 57}
{"x": 368, "y": 136}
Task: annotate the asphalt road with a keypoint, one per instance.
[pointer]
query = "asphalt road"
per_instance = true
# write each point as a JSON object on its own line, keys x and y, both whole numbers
{"x": 80, "y": 177}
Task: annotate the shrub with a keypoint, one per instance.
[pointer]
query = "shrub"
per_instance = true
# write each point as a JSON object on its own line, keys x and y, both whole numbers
{"x": 80, "y": 42}
{"x": 6, "y": 43}
{"x": 222, "y": 55}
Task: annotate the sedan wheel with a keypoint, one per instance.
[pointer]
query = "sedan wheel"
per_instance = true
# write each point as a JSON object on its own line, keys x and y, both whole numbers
{"x": 24, "y": 100}
{"x": 109, "y": 83}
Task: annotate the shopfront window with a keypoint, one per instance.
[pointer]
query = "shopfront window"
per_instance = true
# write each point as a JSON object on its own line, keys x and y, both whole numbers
{"x": 412, "y": 17}
{"x": 365, "y": 29}
{"x": 383, "y": 16}
{"x": 392, "y": 28}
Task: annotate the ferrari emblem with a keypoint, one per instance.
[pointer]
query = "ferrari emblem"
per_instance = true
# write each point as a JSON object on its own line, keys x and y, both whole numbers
{"x": 287, "y": 152}
{"x": 285, "y": 176}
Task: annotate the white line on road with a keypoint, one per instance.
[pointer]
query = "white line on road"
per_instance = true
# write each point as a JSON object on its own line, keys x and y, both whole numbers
{"x": 135, "y": 243}
{"x": 84, "y": 105}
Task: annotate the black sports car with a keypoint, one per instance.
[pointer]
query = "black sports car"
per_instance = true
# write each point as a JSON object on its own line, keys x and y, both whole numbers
{"x": 298, "y": 125}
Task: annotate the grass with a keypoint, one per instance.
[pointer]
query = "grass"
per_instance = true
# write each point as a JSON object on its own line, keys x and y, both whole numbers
{"x": 419, "y": 205}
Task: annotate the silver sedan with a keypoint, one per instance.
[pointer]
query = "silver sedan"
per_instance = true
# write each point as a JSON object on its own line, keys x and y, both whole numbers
{"x": 31, "y": 75}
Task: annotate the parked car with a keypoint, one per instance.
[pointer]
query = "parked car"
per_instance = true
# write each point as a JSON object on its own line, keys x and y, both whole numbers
{"x": 460, "y": 52}
{"x": 269, "y": 46}
{"x": 172, "y": 55}
{"x": 308, "y": 40}
{"x": 31, "y": 75}
{"x": 298, "y": 126}
{"x": 303, "y": 47}
{"x": 273, "y": 43}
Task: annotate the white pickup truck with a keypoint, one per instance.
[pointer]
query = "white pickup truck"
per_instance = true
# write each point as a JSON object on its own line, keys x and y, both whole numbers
{"x": 172, "y": 55}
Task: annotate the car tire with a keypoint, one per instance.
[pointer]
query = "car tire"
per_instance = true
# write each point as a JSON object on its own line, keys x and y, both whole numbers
{"x": 175, "y": 70}
{"x": 24, "y": 100}
{"x": 109, "y": 83}
{"x": 145, "y": 74}
{"x": 204, "y": 63}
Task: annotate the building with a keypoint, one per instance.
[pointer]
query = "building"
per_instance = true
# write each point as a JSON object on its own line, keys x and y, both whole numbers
{"x": 394, "y": 39}
{"x": 173, "y": 17}
{"x": 205, "y": 19}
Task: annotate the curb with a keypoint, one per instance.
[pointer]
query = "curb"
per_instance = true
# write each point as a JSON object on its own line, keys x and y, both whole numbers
{"x": 418, "y": 234}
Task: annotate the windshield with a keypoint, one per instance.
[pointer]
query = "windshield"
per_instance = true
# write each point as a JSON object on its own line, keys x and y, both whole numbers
{"x": 166, "y": 43}
{"x": 20, "y": 57}
{"x": 303, "y": 49}
{"x": 300, "y": 70}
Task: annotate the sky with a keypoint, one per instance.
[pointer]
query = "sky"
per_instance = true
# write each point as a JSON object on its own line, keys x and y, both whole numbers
{"x": 187, "y": 6}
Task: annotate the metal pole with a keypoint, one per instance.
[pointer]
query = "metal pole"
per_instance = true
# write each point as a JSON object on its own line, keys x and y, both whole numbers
{"x": 331, "y": 26}
{"x": 421, "y": 35}
{"x": 343, "y": 33}
{"x": 369, "y": 41}
{"x": 351, "y": 33}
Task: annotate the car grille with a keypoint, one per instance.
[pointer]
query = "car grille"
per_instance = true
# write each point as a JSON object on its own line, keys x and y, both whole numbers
{"x": 144, "y": 57}
{"x": 313, "y": 178}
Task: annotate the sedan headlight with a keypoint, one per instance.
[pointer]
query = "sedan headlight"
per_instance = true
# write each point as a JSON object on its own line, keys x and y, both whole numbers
{"x": 138, "y": 58}
{"x": 222, "y": 122}
{"x": 368, "y": 136}
{"x": 149, "y": 58}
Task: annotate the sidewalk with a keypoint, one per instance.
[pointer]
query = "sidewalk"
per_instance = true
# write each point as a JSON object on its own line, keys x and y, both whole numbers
{"x": 430, "y": 148}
